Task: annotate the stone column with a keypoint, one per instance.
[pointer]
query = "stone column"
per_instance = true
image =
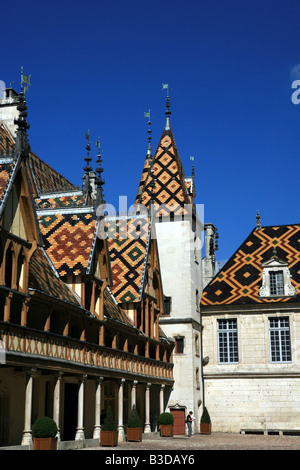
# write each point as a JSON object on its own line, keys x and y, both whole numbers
{"x": 120, "y": 410}
{"x": 162, "y": 399}
{"x": 56, "y": 402}
{"x": 133, "y": 393}
{"x": 147, "y": 428}
{"x": 97, "y": 427}
{"x": 27, "y": 433}
{"x": 80, "y": 428}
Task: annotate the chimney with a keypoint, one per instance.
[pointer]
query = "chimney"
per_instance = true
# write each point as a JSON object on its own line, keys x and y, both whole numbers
{"x": 8, "y": 109}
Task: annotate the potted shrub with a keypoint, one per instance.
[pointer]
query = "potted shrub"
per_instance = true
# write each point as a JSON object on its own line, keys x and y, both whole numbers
{"x": 109, "y": 433}
{"x": 44, "y": 433}
{"x": 166, "y": 421}
{"x": 134, "y": 429}
{"x": 205, "y": 422}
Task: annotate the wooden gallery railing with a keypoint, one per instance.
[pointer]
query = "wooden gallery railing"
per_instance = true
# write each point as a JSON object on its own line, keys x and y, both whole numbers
{"x": 23, "y": 340}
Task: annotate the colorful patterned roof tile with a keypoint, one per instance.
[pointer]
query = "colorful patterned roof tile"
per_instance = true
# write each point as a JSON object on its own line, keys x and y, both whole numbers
{"x": 168, "y": 174}
{"x": 240, "y": 279}
{"x": 112, "y": 309}
{"x": 66, "y": 200}
{"x": 43, "y": 279}
{"x": 68, "y": 240}
{"x": 128, "y": 240}
{"x": 48, "y": 180}
{"x": 6, "y": 171}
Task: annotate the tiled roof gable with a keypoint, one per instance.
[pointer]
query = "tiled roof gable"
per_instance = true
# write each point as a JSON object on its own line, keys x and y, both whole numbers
{"x": 240, "y": 279}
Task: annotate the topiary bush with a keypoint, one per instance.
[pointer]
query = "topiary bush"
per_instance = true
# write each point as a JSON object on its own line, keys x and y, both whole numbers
{"x": 134, "y": 419}
{"x": 205, "y": 418}
{"x": 166, "y": 418}
{"x": 109, "y": 423}
{"x": 44, "y": 427}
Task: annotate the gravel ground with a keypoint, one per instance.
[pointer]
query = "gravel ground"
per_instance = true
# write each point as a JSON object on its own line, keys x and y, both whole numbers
{"x": 214, "y": 441}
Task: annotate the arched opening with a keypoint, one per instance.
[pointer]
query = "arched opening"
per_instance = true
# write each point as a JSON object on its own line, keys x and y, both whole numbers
{"x": 8, "y": 266}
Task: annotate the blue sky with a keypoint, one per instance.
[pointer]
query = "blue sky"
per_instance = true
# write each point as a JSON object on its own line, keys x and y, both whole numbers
{"x": 99, "y": 65}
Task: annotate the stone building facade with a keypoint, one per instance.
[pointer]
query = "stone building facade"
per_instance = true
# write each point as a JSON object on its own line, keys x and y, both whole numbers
{"x": 251, "y": 319}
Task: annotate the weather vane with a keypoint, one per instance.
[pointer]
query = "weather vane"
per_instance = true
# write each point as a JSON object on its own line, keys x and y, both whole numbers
{"x": 25, "y": 81}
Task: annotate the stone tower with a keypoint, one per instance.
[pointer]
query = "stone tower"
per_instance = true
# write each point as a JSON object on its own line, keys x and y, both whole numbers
{"x": 170, "y": 195}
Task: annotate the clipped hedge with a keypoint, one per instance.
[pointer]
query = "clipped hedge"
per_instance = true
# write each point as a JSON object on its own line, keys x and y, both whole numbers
{"x": 166, "y": 418}
{"x": 44, "y": 427}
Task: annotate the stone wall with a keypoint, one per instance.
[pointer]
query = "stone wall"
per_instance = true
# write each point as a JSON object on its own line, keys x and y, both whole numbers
{"x": 254, "y": 393}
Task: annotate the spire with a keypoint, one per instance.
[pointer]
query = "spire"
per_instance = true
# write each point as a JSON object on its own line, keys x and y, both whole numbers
{"x": 167, "y": 112}
{"x": 99, "y": 181}
{"x": 150, "y": 158}
{"x": 149, "y": 152}
{"x": 87, "y": 189}
{"x": 258, "y": 221}
{"x": 22, "y": 146}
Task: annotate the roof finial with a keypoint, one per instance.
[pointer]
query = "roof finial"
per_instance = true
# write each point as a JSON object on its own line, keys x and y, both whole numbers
{"x": 22, "y": 146}
{"x": 258, "y": 221}
{"x": 99, "y": 181}
{"x": 149, "y": 152}
{"x": 168, "y": 112}
{"x": 87, "y": 168}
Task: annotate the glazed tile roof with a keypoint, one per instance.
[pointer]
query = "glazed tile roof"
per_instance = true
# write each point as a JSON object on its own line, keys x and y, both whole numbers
{"x": 7, "y": 167}
{"x": 75, "y": 199}
{"x": 48, "y": 180}
{"x": 112, "y": 310}
{"x": 170, "y": 185}
{"x": 68, "y": 240}
{"x": 240, "y": 279}
{"x": 43, "y": 279}
{"x": 128, "y": 240}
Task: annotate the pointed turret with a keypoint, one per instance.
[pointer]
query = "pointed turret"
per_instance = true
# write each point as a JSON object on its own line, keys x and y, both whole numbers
{"x": 163, "y": 178}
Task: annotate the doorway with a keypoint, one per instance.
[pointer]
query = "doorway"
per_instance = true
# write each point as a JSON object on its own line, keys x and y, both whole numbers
{"x": 70, "y": 411}
{"x": 179, "y": 420}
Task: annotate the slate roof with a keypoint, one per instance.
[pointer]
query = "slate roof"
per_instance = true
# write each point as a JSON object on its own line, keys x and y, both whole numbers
{"x": 240, "y": 279}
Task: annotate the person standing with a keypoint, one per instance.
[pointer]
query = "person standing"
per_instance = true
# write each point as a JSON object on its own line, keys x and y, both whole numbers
{"x": 190, "y": 420}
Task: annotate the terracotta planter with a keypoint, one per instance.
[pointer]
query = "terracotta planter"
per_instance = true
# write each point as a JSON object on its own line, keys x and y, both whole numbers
{"x": 134, "y": 434}
{"x": 205, "y": 428}
{"x": 166, "y": 430}
{"x": 109, "y": 438}
{"x": 44, "y": 443}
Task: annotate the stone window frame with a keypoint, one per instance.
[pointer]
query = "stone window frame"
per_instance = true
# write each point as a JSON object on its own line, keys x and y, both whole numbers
{"x": 276, "y": 265}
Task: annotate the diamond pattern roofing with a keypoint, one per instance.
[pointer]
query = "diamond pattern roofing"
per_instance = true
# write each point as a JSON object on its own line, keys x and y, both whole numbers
{"x": 240, "y": 279}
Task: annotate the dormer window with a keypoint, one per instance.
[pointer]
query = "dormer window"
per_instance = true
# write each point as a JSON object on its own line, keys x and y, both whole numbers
{"x": 276, "y": 283}
{"x": 276, "y": 278}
